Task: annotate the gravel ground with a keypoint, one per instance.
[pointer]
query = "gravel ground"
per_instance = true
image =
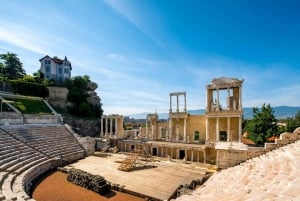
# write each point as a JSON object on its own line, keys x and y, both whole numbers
{"x": 56, "y": 188}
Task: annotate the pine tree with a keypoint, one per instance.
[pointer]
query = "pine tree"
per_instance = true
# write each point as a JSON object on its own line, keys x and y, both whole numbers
{"x": 263, "y": 125}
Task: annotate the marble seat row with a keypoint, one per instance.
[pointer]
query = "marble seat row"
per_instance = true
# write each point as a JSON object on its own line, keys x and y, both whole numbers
{"x": 272, "y": 176}
{"x": 28, "y": 152}
{"x": 53, "y": 141}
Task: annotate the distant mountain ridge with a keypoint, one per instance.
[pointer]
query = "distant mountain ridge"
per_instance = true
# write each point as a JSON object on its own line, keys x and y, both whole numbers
{"x": 279, "y": 111}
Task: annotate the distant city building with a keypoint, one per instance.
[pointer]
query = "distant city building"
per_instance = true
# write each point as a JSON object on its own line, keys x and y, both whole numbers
{"x": 56, "y": 69}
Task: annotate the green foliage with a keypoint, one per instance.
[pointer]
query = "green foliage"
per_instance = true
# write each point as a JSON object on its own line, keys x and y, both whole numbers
{"x": 85, "y": 109}
{"x": 28, "y": 88}
{"x": 27, "y": 78}
{"x": 11, "y": 66}
{"x": 293, "y": 123}
{"x": 263, "y": 125}
{"x": 39, "y": 77}
{"x": 28, "y": 106}
{"x": 77, "y": 90}
{"x": 78, "y": 94}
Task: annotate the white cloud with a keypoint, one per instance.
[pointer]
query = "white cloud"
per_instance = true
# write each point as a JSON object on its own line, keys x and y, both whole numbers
{"x": 21, "y": 37}
{"x": 116, "y": 57}
{"x": 34, "y": 40}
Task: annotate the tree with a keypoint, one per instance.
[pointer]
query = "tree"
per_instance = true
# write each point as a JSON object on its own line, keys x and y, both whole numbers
{"x": 1, "y": 69}
{"x": 85, "y": 109}
{"x": 27, "y": 78}
{"x": 78, "y": 93}
{"x": 11, "y": 67}
{"x": 263, "y": 125}
{"x": 77, "y": 89}
{"x": 39, "y": 77}
{"x": 293, "y": 123}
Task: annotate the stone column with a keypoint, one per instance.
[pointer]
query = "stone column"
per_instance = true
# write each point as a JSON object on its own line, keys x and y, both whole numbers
{"x": 217, "y": 130}
{"x": 177, "y": 131}
{"x": 106, "y": 126}
{"x": 111, "y": 127}
{"x": 152, "y": 131}
{"x": 228, "y": 129}
{"x": 206, "y": 130}
{"x": 146, "y": 132}
{"x": 160, "y": 132}
{"x": 240, "y": 129}
{"x": 140, "y": 131}
{"x": 170, "y": 129}
{"x": 170, "y": 110}
{"x": 177, "y": 110}
{"x": 208, "y": 107}
{"x": 240, "y": 98}
{"x": 218, "y": 100}
{"x": 116, "y": 127}
{"x": 192, "y": 157}
{"x": 185, "y": 102}
{"x": 184, "y": 130}
{"x": 204, "y": 156}
{"x": 171, "y": 153}
{"x": 101, "y": 133}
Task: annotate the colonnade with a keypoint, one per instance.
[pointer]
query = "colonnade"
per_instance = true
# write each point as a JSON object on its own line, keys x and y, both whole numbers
{"x": 177, "y": 131}
{"x": 152, "y": 118}
{"x": 190, "y": 154}
{"x": 107, "y": 127}
{"x": 228, "y": 130}
{"x": 177, "y": 94}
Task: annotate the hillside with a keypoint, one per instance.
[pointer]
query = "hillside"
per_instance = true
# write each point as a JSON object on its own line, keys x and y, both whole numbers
{"x": 280, "y": 112}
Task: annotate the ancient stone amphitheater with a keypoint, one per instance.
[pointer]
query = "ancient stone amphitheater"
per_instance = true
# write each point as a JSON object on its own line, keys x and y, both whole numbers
{"x": 26, "y": 152}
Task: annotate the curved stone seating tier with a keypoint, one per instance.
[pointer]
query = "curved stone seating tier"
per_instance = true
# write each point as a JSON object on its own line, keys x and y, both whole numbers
{"x": 272, "y": 176}
{"x": 27, "y": 152}
{"x": 53, "y": 141}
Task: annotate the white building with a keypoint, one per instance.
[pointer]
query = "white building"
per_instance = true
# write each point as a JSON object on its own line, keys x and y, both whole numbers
{"x": 55, "y": 68}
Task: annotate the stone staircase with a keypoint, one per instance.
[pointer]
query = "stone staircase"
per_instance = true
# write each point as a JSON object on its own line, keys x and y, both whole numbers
{"x": 272, "y": 176}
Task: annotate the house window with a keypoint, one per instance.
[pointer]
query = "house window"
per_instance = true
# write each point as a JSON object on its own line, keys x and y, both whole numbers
{"x": 47, "y": 69}
{"x": 196, "y": 136}
{"x": 60, "y": 71}
{"x": 66, "y": 70}
{"x": 47, "y": 62}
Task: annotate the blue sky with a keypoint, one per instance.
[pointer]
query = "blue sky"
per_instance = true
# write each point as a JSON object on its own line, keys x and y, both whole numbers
{"x": 138, "y": 51}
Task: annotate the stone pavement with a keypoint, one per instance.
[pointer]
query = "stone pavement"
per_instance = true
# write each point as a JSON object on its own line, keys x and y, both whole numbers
{"x": 159, "y": 183}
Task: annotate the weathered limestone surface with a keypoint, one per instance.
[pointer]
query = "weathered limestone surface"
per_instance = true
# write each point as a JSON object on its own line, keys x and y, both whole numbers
{"x": 272, "y": 176}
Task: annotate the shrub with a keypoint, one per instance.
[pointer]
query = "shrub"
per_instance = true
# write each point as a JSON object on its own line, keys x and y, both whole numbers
{"x": 29, "y": 89}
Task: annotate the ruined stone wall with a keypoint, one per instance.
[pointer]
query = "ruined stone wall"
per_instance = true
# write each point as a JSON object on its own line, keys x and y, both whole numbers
{"x": 41, "y": 119}
{"x": 196, "y": 123}
{"x": 84, "y": 127}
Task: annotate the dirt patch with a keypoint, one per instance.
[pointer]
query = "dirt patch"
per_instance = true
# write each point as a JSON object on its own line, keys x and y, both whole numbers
{"x": 56, "y": 188}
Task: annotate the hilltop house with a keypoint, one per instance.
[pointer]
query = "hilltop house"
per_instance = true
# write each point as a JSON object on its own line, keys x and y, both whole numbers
{"x": 55, "y": 68}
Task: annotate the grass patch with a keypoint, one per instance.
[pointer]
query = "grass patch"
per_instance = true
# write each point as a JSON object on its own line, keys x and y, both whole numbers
{"x": 27, "y": 106}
